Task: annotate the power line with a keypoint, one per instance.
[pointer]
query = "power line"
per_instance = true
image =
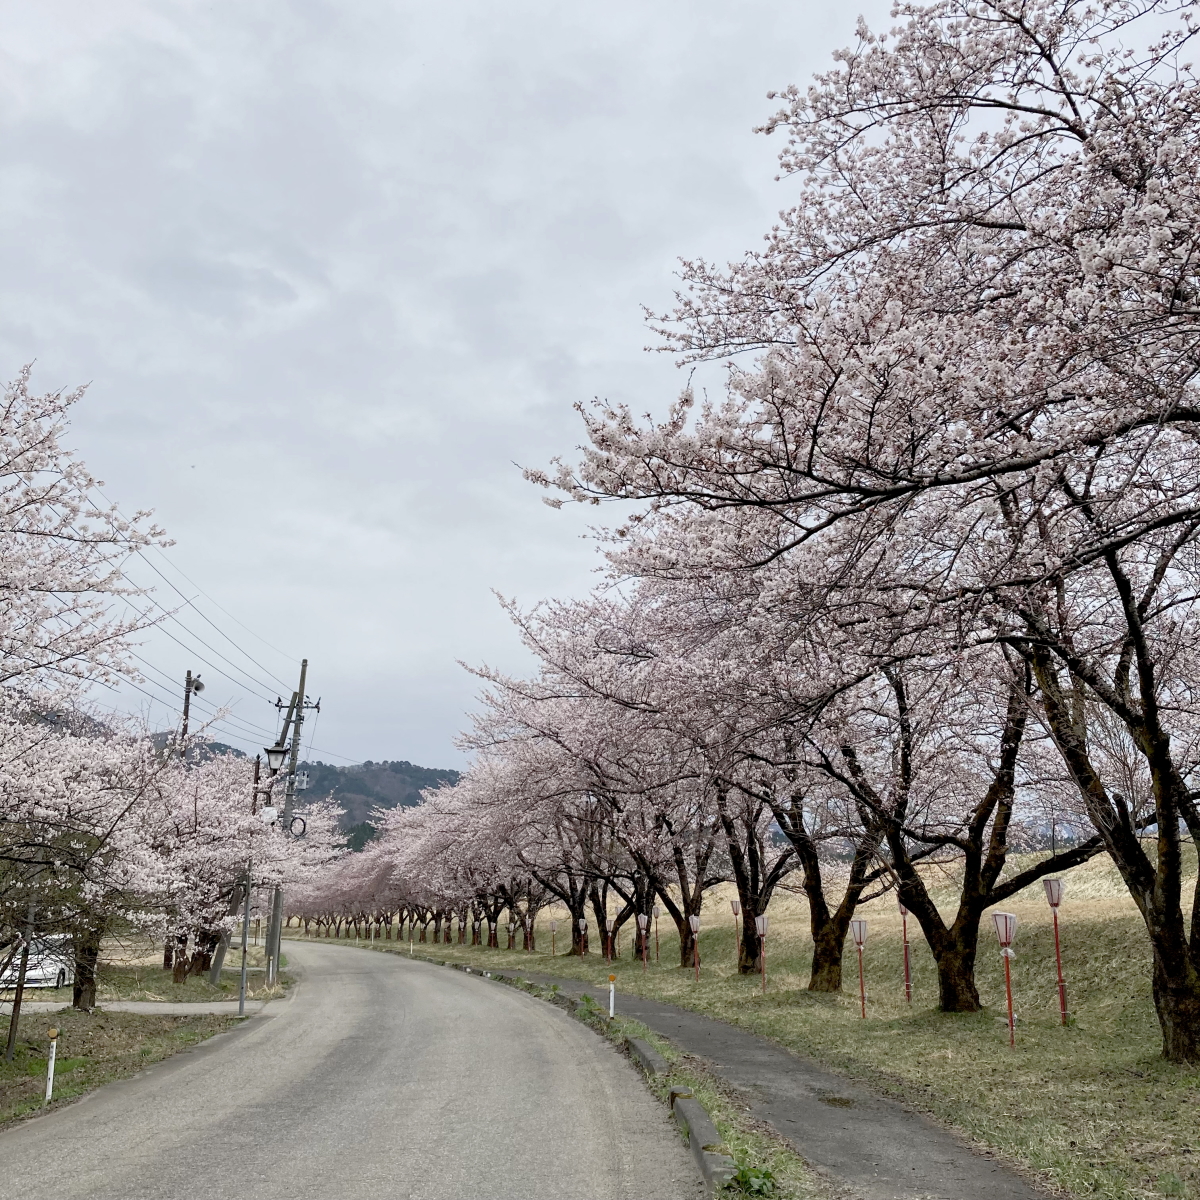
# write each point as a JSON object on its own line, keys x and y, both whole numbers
{"x": 175, "y": 567}
{"x": 192, "y": 605}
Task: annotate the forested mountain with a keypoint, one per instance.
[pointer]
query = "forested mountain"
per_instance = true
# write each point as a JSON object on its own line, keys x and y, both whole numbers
{"x": 360, "y": 788}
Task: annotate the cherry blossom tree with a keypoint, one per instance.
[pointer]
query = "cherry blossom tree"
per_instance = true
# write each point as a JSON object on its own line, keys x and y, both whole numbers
{"x": 973, "y": 417}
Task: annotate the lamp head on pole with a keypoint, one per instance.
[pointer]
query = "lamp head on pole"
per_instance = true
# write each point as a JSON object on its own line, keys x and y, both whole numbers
{"x": 858, "y": 931}
{"x": 642, "y": 921}
{"x": 275, "y": 756}
{"x": 657, "y": 912}
{"x": 553, "y": 926}
{"x": 1054, "y": 890}
{"x": 694, "y": 922}
{"x": 1006, "y": 928}
{"x": 760, "y": 924}
{"x": 736, "y": 906}
{"x": 903, "y": 910}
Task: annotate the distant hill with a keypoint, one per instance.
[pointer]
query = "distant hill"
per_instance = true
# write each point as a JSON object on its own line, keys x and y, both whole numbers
{"x": 369, "y": 785}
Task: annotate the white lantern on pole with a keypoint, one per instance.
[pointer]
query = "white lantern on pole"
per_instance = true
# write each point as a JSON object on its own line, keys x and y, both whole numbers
{"x": 694, "y": 923}
{"x": 858, "y": 930}
{"x": 1054, "y": 894}
{"x": 760, "y": 927}
{"x": 1006, "y": 930}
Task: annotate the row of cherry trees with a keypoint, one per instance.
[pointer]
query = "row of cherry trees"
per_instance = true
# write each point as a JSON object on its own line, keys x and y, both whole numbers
{"x": 921, "y": 585}
{"x": 103, "y": 826}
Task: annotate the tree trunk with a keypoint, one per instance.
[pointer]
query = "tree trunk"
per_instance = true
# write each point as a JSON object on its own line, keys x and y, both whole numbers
{"x": 87, "y": 954}
{"x": 687, "y": 945}
{"x": 956, "y": 972}
{"x": 180, "y": 970}
{"x": 1177, "y": 1001}
{"x": 750, "y": 952}
{"x": 828, "y": 944}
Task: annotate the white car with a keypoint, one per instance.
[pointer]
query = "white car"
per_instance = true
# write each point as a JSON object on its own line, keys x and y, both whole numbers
{"x": 51, "y": 963}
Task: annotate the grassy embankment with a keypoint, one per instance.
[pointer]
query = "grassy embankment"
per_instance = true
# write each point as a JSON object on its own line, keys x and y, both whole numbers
{"x": 97, "y": 1048}
{"x": 1092, "y": 1108}
{"x": 93, "y": 1049}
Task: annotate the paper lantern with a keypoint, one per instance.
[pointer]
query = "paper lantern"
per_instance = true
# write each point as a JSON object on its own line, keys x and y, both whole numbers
{"x": 1006, "y": 928}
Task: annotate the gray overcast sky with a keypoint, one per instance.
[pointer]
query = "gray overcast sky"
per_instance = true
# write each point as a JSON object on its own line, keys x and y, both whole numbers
{"x": 331, "y": 269}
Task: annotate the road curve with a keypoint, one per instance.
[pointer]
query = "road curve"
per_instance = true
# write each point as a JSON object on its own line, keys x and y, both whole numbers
{"x": 381, "y": 1077}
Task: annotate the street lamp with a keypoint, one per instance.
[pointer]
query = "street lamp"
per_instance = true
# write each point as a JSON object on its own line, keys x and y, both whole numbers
{"x": 657, "y": 914}
{"x": 907, "y": 970}
{"x": 1006, "y": 930}
{"x": 275, "y": 756}
{"x": 583, "y": 935}
{"x": 642, "y": 922}
{"x": 760, "y": 927}
{"x": 737, "y": 937}
{"x": 1054, "y": 892}
{"x": 553, "y": 934}
{"x": 694, "y": 922}
{"x": 858, "y": 930}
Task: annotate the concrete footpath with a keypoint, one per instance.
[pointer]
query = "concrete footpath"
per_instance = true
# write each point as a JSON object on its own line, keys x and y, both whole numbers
{"x": 875, "y": 1147}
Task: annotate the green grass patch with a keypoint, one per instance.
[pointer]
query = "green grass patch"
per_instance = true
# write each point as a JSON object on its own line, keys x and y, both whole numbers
{"x": 93, "y": 1049}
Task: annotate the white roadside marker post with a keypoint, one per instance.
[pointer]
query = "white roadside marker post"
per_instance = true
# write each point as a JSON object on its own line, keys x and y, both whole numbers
{"x": 612, "y": 996}
{"x": 50, "y": 1066}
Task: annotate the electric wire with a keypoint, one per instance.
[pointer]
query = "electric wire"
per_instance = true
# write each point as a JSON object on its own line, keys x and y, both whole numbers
{"x": 237, "y": 726}
{"x": 180, "y": 571}
{"x": 191, "y": 604}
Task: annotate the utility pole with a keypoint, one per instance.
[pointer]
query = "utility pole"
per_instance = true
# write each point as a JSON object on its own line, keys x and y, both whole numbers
{"x": 295, "y": 717}
{"x": 190, "y": 685}
{"x": 15, "y": 1018}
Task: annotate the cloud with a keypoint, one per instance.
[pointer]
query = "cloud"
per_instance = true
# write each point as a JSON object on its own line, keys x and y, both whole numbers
{"x": 333, "y": 269}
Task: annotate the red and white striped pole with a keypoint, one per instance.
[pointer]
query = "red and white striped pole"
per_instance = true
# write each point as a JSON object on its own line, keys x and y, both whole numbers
{"x": 694, "y": 922}
{"x": 760, "y": 925}
{"x": 1054, "y": 893}
{"x": 1006, "y": 930}
{"x": 858, "y": 930}
{"x": 907, "y": 969}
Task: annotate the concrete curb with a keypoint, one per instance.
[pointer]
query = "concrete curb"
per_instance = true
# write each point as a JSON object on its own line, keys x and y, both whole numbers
{"x": 703, "y": 1139}
{"x": 647, "y": 1057}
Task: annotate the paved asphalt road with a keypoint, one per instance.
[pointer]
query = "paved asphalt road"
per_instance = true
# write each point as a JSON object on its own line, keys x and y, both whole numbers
{"x": 381, "y": 1077}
